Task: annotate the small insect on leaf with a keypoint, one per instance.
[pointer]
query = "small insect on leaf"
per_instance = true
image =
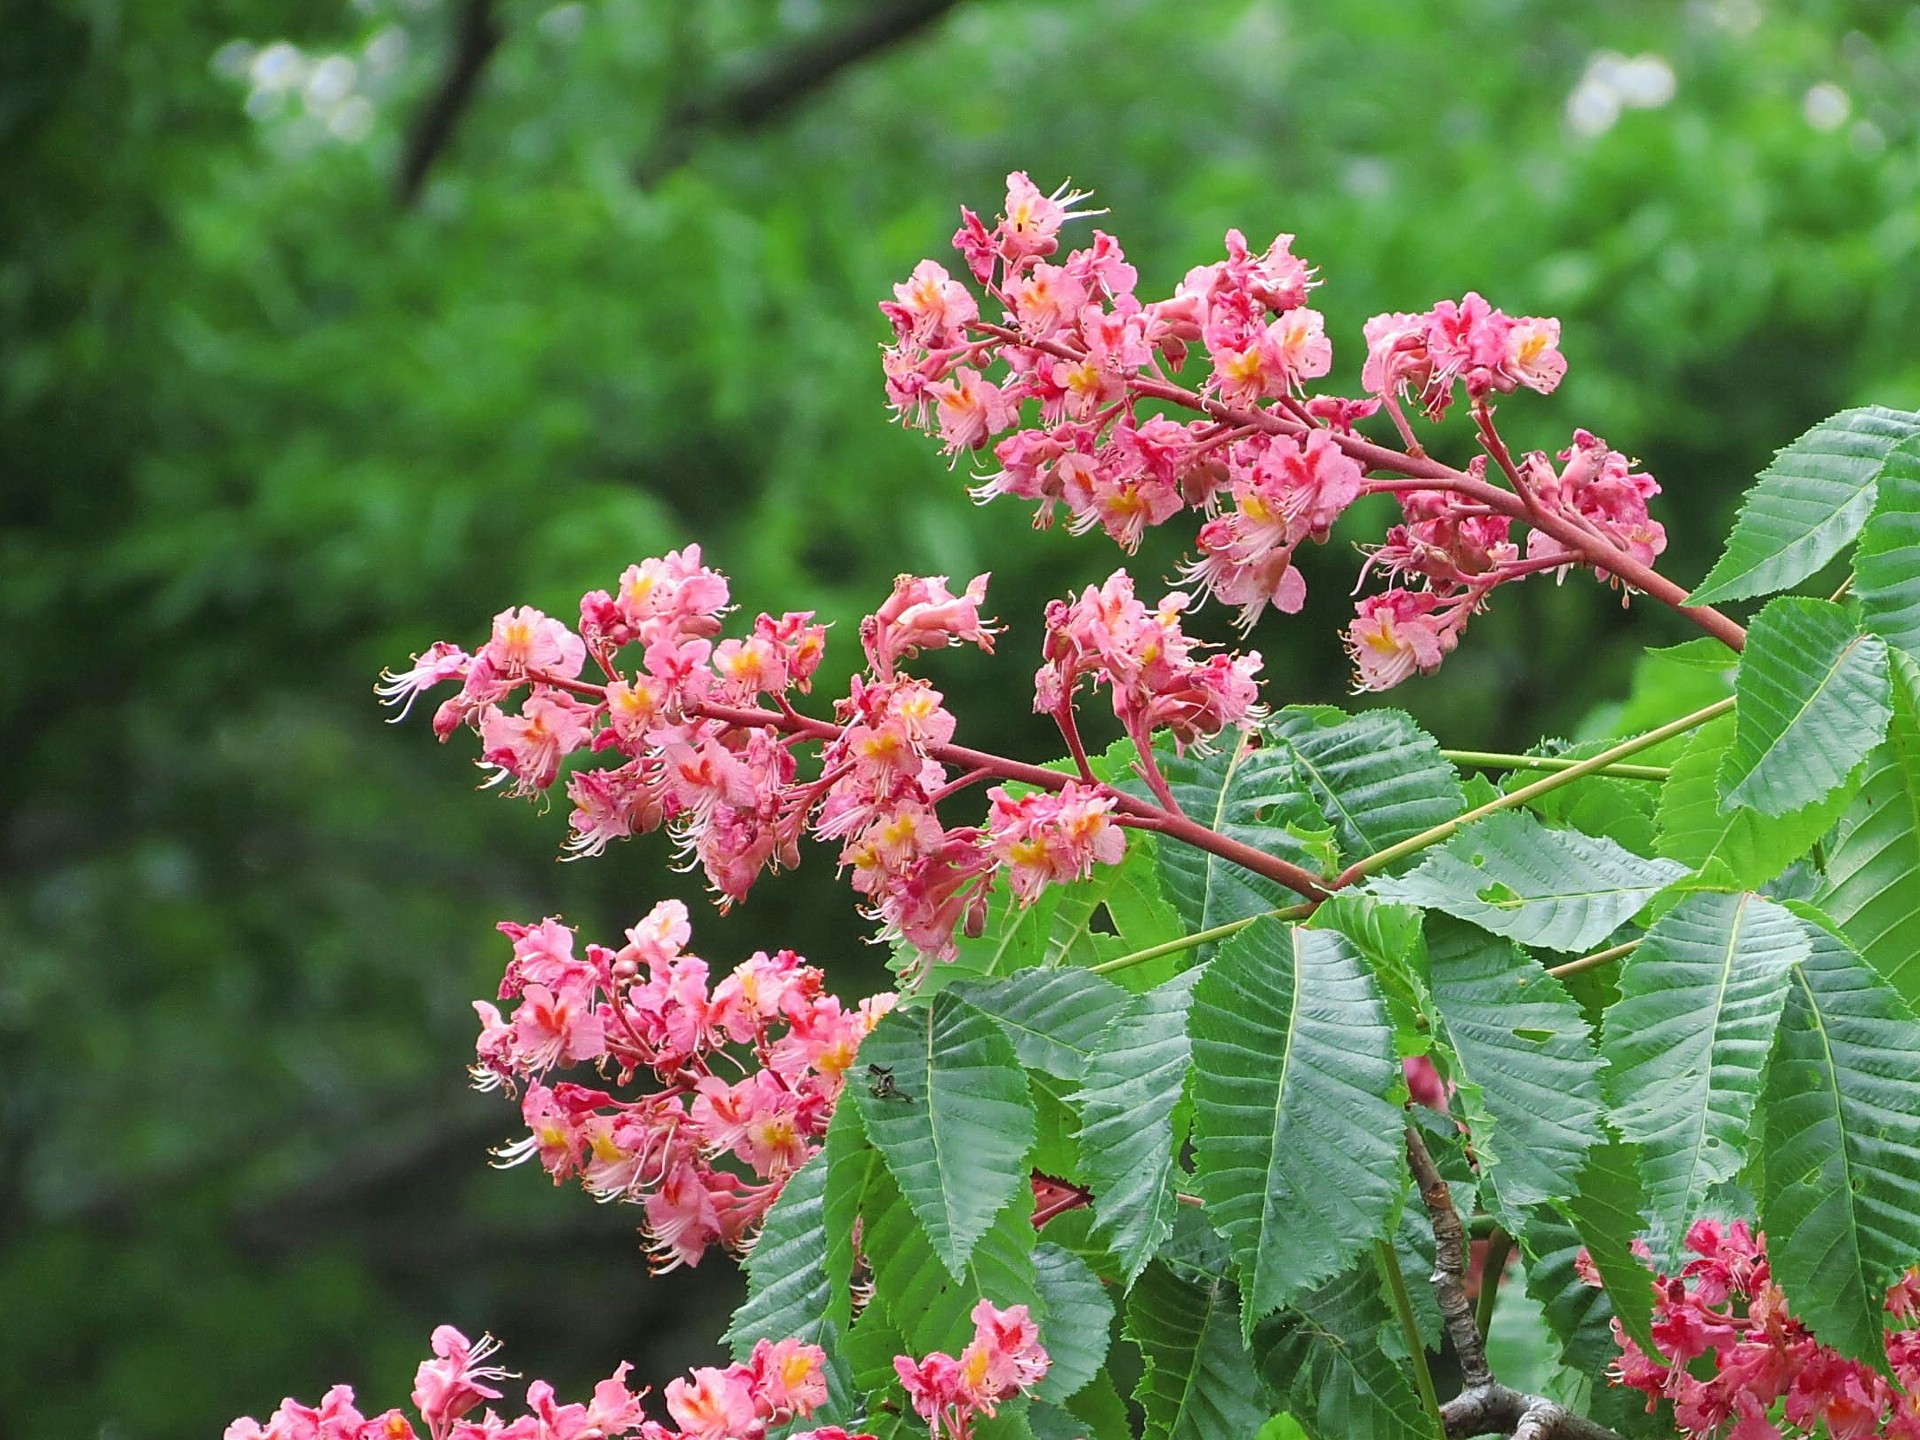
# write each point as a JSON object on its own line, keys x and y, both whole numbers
{"x": 881, "y": 1086}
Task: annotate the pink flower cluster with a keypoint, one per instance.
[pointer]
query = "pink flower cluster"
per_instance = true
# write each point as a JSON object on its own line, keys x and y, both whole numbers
{"x": 781, "y": 1382}
{"x": 707, "y": 741}
{"x": 647, "y": 1007}
{"x": 1456, "y": 553}
{"x": 1267, "y": 465}
{"x": 1423, "y": 357}
{"x": 1734, "y": 1362}
{"x": 1004, "y": 1359}
{"x": 1153, "y": 671}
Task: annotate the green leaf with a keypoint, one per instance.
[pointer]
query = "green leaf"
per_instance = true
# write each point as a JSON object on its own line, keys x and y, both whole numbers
{"x": 1687, "y": 1045}
{"x": 1807, "y": 505}
{"x": 1886, "y": 567}
{"x": 932, "y": 1307}
{"x": 1873, "y": 872}
{"x": 1579, "y": 1315}
{"x": 1128, "y": 1098}
{"x": 1388, "y": 938}
{"x": 1078, "y": 1323}
{"x": 1516, "y": 877}
{"x": 1199, "y": 1381}
{"x": 1523, "y": 1059}
{"x": 1051, "y": 1016}
{"x": 1605, "y": 1213}
{"x": 1842, "y": 1145}
{"x": 799, "y": 1268}
{"x": 1323, "y": 1357}
{"x": 1251, "y": 794}
{"x": 1739, "y": 849}
{"x": 1377, "y": 776}
{"x": 1297, "y": 1153}
{"x": 1813, "y": 700}
{"x": 958, "y": 1123}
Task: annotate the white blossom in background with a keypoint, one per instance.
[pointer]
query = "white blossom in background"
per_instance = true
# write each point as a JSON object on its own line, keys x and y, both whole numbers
{"x": 1826, "y": 106}
{"x": 313, "y": 97}
{"x": 1613, "y": 83}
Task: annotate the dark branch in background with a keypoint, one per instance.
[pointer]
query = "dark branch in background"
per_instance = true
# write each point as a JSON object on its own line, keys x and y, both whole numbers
{"x": 782, "y": 80}
{"x": 477, "y": 34}
{"x": 1484, "y": 1406}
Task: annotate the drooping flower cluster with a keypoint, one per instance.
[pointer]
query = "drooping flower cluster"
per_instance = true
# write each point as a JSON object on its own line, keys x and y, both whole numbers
{"x": 1736, "y": 1363}
{"x": 1004, "y": 1359}
{"x": 1267, "y": 465}
{"x": 783, "y": 1381}
{"x": 705, "y": 1153}
{"x": 1454, "y": 553}
{"x": 707, "y": 743}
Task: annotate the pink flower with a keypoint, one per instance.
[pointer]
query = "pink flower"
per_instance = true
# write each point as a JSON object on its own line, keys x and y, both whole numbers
{"x": 922, "y": 614}
{"x": 1052, "y": 838}
{"x": 524, "y": 640}
{"x": 1031, "y": 223}
{"x": 453, "y": 1382}
{"x": 970, "y": 410}
{"x": 1395, "y": 634}
{"x": 931, "y": 308}
{"x": 440, "y": 663}
{"x": 714, "y": 1405}
{"x": 789, "y": 1376}
{"x": 529, "y": 746}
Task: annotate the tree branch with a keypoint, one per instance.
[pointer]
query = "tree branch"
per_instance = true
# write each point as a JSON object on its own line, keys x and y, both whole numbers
{"x": 1484, "y": 1406}
{"x": 784, "y": 79}
{"x": 477, "y": 34}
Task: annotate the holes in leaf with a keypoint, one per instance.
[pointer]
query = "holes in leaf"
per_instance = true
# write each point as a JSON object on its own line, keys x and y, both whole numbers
{"x": 1532, "y": 1036}
{"x": 1499, "y": 893}
{"x": 1101, "y": 922}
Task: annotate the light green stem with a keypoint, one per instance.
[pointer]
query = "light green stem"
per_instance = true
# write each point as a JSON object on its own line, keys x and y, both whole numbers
{"x": 1564, "y": 773}
{"x": 1493, "y": 760}
{"x": 1199, "y": 937}
{"x": 1388, "y": 1263}
{"x": 1380, "y": 859}
{"x": 1589, "y": 962}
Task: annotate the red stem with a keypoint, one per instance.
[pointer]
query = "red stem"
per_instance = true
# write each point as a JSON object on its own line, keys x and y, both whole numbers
{"x": 1156, "y": 817}
{"x": 1589, "y": 548}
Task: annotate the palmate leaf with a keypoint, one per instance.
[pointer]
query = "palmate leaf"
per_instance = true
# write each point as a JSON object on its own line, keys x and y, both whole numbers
{"x": 1052, "y": 1016}
{"x": 1839, "y": 1202}
{"x": 1736, "y": 849}
{"x": 1128, "y": 1098}
{"x": 1886, "y": 567}
{"x": 1605, "y": 1213}
{"x": 1523, "y": 1059}
{"x": 1198, "y": 1381}
{"x": 1579, "y": 1315}
{"x": 1077, "y": 1324}
{"x": 1813, "y": 700}
{"x": 1516, "y": 877}
{"x": 955, "y": 1126}
{"x": 1873, "y": 871}
{"x": 798, "y": 1270}
{"x": 1806, "y": 505}
{"x": 1297, "y": 1153}
{"x": 1377, "y": 776}
{"x": 1253, "y": 794}
{"x": 931, "y": 1307}
{"x": 1323, "y": 1358}
{"x": 1687, "y": 1043}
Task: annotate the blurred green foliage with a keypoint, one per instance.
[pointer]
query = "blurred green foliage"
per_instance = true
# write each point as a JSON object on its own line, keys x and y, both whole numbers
{"x": 263, "y": 430}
